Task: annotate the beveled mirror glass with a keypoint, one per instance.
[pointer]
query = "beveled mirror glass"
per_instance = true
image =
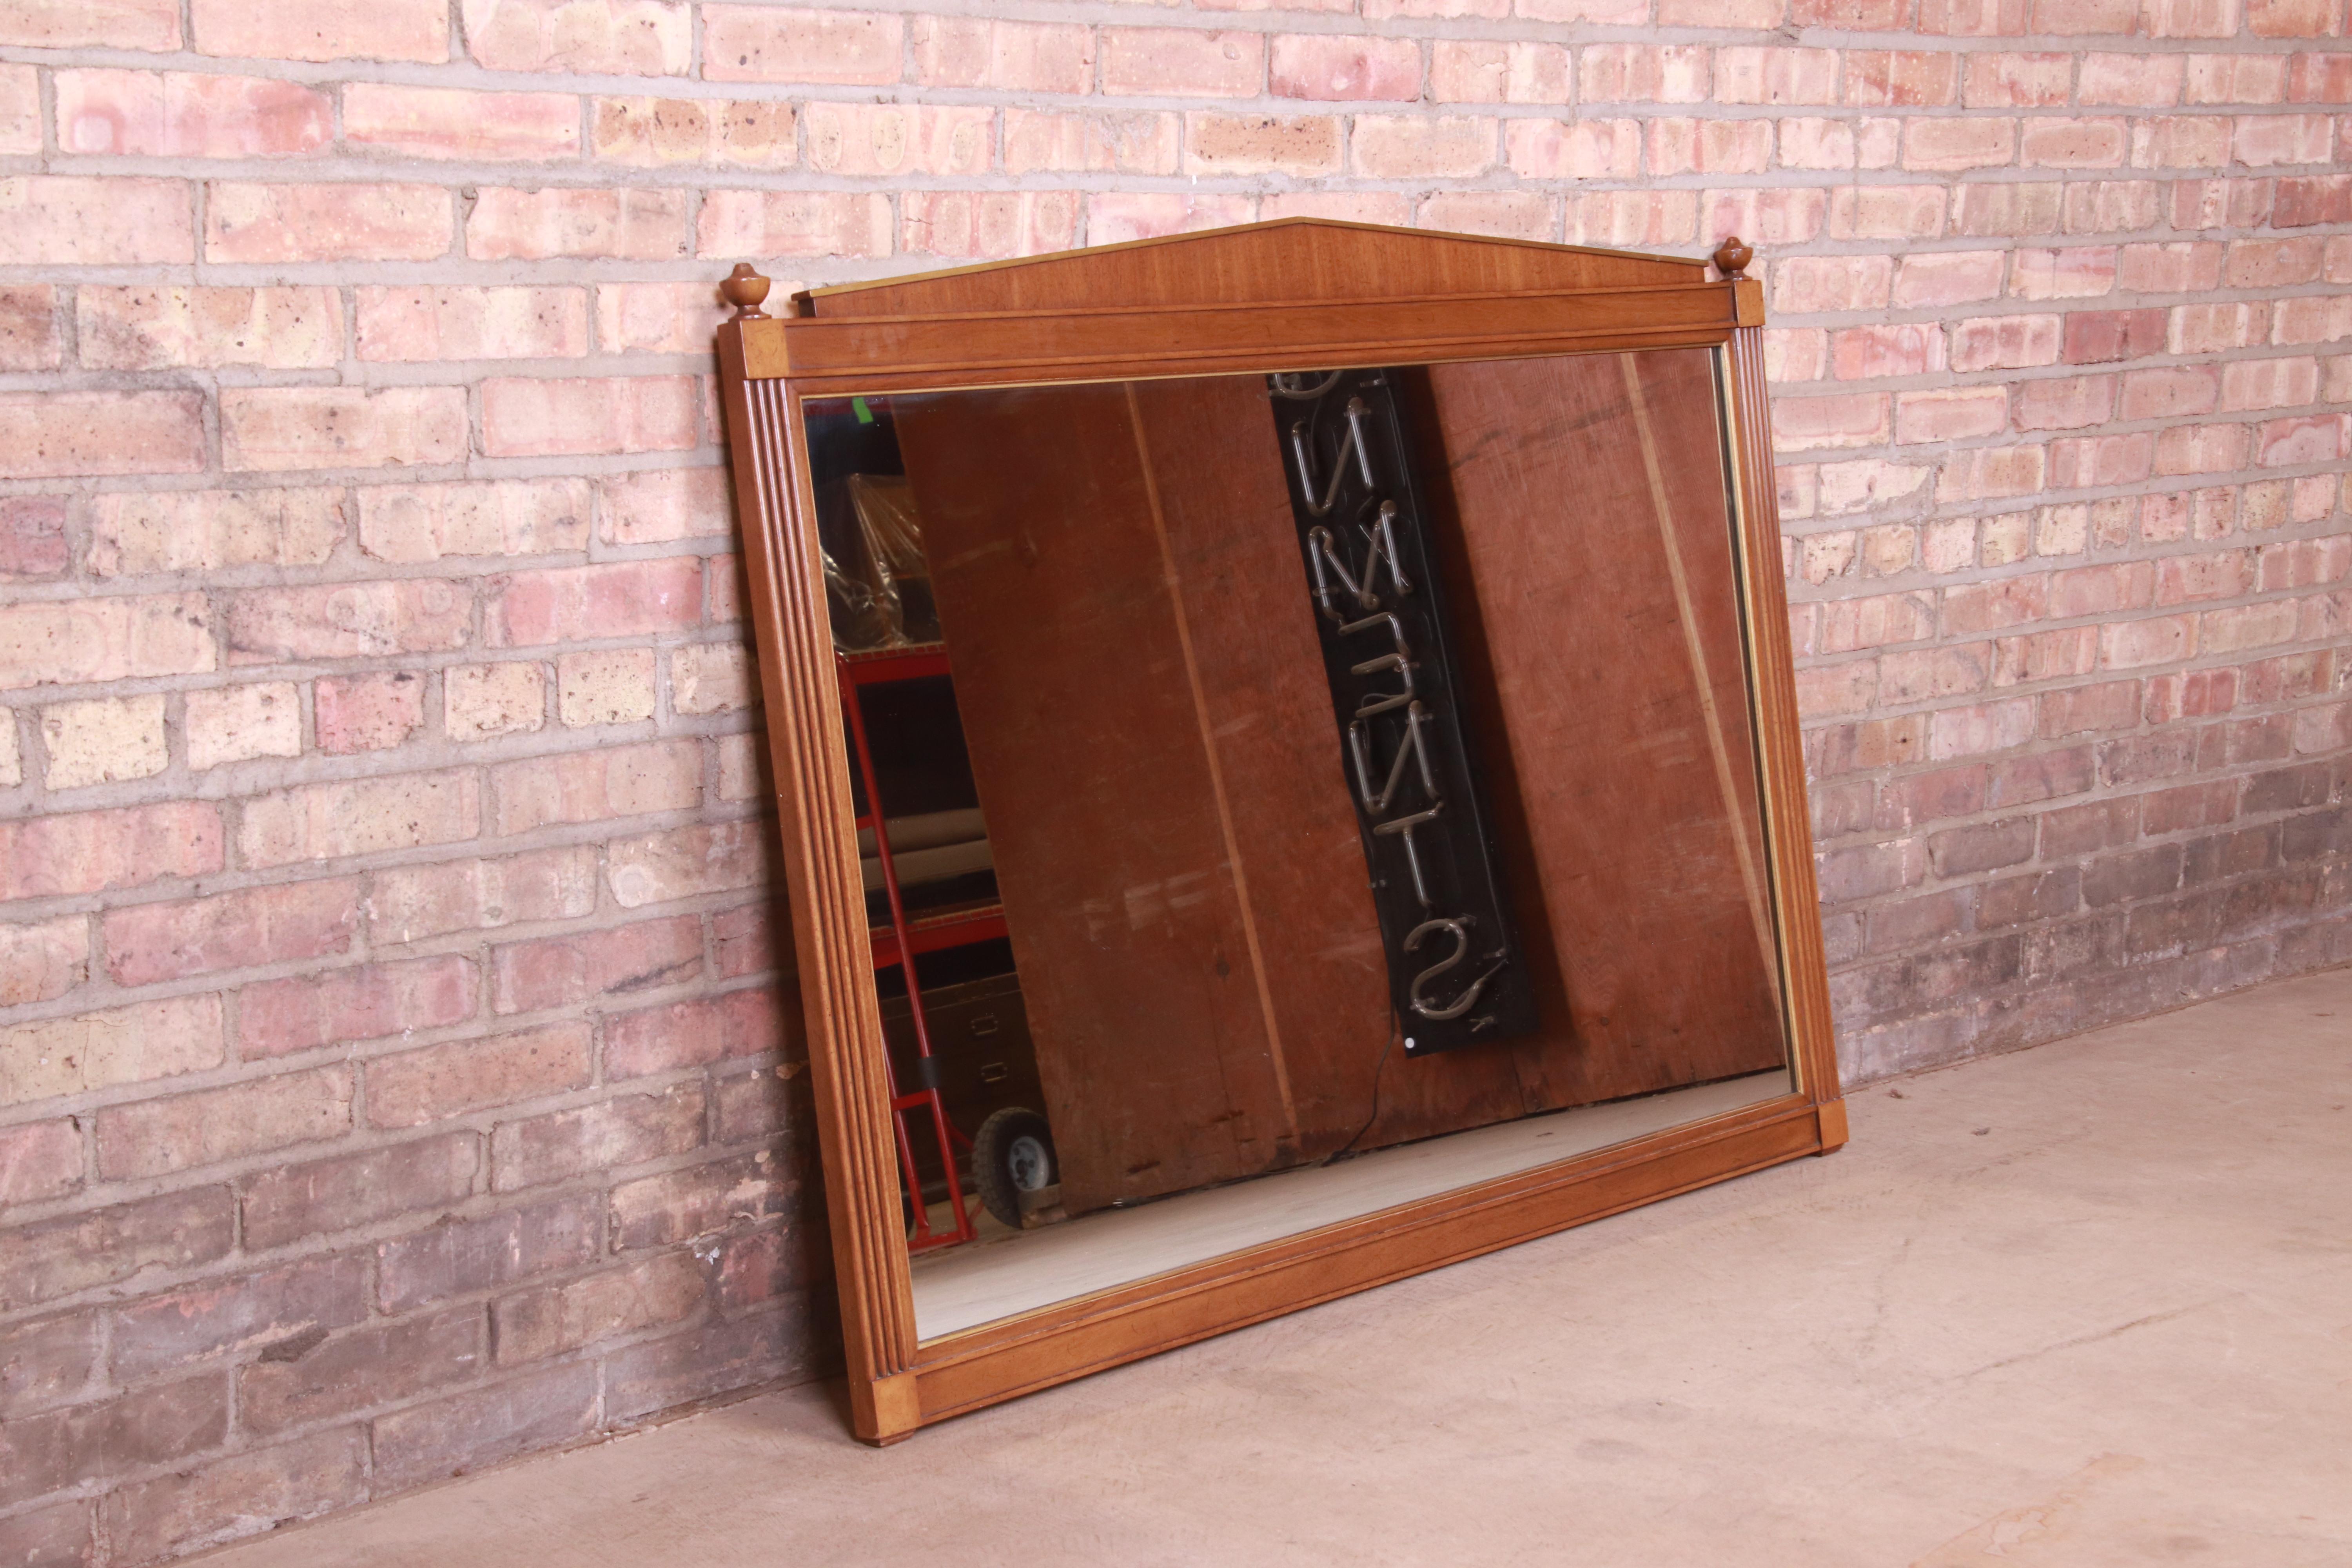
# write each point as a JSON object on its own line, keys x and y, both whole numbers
{"x": 1298, "y": 814}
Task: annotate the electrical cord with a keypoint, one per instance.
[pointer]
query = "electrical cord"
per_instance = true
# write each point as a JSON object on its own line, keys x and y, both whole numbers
{"x": 1379, "y": 1069}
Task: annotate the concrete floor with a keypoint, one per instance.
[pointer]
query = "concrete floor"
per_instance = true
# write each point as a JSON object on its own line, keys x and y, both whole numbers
{"x": 2086, "y": 1305}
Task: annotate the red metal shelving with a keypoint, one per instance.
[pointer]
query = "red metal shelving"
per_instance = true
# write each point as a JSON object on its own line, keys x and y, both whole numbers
{"x": 904, "y": 935}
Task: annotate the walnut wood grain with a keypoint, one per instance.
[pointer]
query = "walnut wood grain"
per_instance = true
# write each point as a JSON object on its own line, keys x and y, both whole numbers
{"x": 1309, "y": 261}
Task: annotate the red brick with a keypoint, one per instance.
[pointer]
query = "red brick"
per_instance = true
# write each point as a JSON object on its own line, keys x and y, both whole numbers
{"x": 1007, "y": 57}
{"x": 239, "y": 1495}
{"x": 610, "y": 37}
{"x": 2310, "y": 438}
{"x": 415, "y": 1087}
{"x": 1642, "y": 73}
{"x": 658, "y": 317}
{"x": 151, "y": 25}
{"x": 2133, "y": 645}
{"x": 48, "y": 1362}
{"x": 408, "y": 903}
{"x": 2085, "y": 829}
{"x": 463, "y": 1257}
{"x": 2201, "y": 449}
{"x": 881, "y": 139}
{"x": 694, "y": 1034}
{"x": 683, "y": 862}
{"x": 341, "y": 427}
{"x": 759, "y": 1105}
{"x": 149, "y": 943}
{"x": 44, "y": 959}
{"x": 759, "y": 43}
{"x": 375, "y": 1001}
{"x": 33, "y": 538}
{"x": 489, "y": 516}
{"x": 1980, "y": 728}
{"x": 424, "y": 325}
{"x": 71, "y": 220}
{"x": 620, "y": 1132}
{"x": 342, "y": 1374}
{"x": 624, "y": 599}
{"x": 353, "y": 1190}
{"x": 532, "y": 417}
{"x": 745, "y": 938}
{"x": 237, "y": 1317}
{"x": 2060, "y": 141}
{"x": 39, "y": 1161}
{"x": 1952, "y": 413}
{"x": 453, "y": 1435}
{"x": 1865, "y": 870}
{"x": 153, "y": 1138}
{"x": 1336, "y": 68}
{"x": 1181, "y": 62}
{"x": 1992, "y": 472}
{"x": 711, "y": 1359}
{"x": 2006, "y": 342}
{"x": 368, "y": 713}
{"x": 661, "y": 505}
{"x": 2065, "y": 402}
{"x": 584, "y": 787}
{"x": 293, "y": 223}
{"x": 2199, "y": 693}
{"x": 2135, "y": 81}
{"x": 182, "y": 114}
{"x": 769, "y": 1263}
{"x": 2306, "y": 201}
{"x": 549, "y": 1319}
{"x": 47, "y": 1453}
{"x": 1900, "y": 78}
{"x": 1775, "y": 76}
{"x": 2104, "y": 707}
{"x": 2182, "y": 579}
{"x": 508, "y": 224}
{"x": 1982, "y": 847}
{"x": 1117, "y": 217}
{"x": 2104, "y": 589}
{"x": 60, "y": 434}
{"x": 2007, "y": 210}
{"x": 679, "y": 1206}
{"x": 327, "y": 821}
{"x": 1995, "y": 81}
{"x": 2313, "y": 78}
{"x": 2043, "y": 776}
{"x": 92, "y": 851}
{"x": 474, "y": 127}
{"x": 43, "y": 1261}
{"x": 291, "y": 30}
{"x": 2291, "y": 18}
{"x": 551, "y": 973}
{"x": 2100, "y": 336}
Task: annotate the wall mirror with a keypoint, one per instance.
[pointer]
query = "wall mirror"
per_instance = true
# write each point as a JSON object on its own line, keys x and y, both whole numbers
{"x": 1288, "y": 771}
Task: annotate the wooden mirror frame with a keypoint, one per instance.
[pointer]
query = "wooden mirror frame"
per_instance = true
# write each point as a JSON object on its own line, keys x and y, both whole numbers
{"x": 1291, "y": 295}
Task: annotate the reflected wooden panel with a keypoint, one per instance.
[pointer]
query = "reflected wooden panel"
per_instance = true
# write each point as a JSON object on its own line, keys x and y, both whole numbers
{"x": 1179, "y": 863}
{"x": 1597, "y": 586}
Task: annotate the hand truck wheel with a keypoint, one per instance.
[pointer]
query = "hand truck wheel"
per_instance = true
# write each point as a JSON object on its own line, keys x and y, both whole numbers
{"x": 1012, "y": 1153}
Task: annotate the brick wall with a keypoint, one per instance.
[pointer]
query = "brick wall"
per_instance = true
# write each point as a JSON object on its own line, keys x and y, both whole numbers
{"x": 393, "y": 1074}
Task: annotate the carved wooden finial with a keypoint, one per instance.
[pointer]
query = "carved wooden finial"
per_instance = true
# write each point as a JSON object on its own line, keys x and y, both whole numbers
{"x": 1731, "y": 258}
{"x": 744, "y": 290}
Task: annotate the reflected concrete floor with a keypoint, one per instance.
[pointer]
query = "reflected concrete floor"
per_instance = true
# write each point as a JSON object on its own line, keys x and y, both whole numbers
{"x": 1009, "y": 1271}
{"x": 2086, "y": 1305}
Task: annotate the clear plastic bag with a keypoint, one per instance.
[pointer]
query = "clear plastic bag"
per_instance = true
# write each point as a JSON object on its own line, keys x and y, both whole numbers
{"x": 877, "y": 584}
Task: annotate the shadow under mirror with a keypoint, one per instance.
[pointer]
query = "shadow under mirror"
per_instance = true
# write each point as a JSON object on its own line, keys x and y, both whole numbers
{"x": 1300, "y": 796}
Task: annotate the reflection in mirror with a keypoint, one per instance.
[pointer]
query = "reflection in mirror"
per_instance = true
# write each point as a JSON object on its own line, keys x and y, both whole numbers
{"x": 1345, "y": 791}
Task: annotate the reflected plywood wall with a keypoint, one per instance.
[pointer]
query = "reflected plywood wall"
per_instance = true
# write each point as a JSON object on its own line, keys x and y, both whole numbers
{"x": 1137, "y": 664}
